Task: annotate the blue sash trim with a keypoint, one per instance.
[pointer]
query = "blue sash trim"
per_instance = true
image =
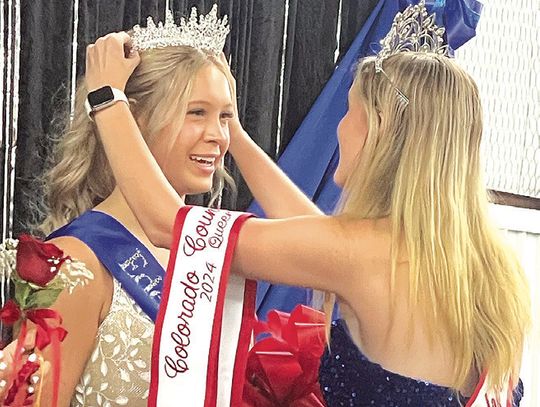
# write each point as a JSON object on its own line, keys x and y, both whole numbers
{"x": 125, "y": 256}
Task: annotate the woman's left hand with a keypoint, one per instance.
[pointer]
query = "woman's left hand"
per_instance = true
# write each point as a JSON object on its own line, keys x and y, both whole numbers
{"x": 235, "y": 127}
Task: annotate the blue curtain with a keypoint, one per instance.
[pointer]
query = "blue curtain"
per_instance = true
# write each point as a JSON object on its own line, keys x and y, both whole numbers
{"x": 312, "y": 155}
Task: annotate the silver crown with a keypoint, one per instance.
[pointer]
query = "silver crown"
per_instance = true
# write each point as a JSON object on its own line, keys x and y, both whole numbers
{"x": 412, "y": 30}
{"x": 207, "y": 33}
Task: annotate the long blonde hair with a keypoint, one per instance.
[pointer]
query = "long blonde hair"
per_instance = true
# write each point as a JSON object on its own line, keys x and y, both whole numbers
{"x": 421, "y": 167}
{"x": 158, "y": 91}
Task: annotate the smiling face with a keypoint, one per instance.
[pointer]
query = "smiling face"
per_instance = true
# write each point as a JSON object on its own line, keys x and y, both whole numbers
{"x": 189, "y": 159}
{"x": 352, "y": 132}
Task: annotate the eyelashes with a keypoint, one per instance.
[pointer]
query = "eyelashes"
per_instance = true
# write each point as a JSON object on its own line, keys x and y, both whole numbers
{"x": 196, "y": 112}
{"x": 203, "y": 112}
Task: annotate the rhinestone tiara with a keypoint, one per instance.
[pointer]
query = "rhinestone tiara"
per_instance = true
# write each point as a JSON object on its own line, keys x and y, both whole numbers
{"x": 203, "y": 32}
{"x": 412, "y": 30}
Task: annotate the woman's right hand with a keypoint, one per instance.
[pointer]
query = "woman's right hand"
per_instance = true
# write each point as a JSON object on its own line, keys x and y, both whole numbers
{"x": 108, "y": 63}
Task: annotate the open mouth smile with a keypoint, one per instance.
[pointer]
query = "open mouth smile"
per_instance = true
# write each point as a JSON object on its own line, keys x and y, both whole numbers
{"x": 207, "y": 161}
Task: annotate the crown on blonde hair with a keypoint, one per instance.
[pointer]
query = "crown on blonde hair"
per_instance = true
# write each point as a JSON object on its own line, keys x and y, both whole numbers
{"x": 413, "y": 30}
{"x": 203, "y": 32}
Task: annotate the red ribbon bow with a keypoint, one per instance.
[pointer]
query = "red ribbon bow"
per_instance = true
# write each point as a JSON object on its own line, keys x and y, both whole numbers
{"x": 47, "y": 322}
{"x": 46, "y": 332}
{"x": 283, "y": 370}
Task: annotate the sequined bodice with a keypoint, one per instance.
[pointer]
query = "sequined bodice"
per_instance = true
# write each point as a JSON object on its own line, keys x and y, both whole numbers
{"x": 348, "y": 378}
{"x": 118, "y": 371}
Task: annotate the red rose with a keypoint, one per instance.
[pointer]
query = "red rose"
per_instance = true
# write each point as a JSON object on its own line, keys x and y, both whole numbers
{"x": 38, "y": 262}
{"x": 10, "y": 313}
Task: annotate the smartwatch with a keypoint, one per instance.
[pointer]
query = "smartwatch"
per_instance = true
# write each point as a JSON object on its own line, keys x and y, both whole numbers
{"x": 102, "y": 98}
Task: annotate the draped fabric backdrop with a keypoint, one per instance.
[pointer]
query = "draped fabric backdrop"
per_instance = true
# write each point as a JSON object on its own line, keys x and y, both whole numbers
{"x": 278, "y": 78}
{"x": 10, "y": 36}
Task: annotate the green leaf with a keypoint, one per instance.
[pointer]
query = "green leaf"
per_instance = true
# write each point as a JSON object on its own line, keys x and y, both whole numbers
{"x": 22, "y": 292}
{"x": 43, "y": 298}
{"x": 55, "y": 284}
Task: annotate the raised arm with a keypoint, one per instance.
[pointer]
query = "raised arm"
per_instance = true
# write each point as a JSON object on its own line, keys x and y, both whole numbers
{"x": 274, "y": 191}
{"x": 147, "y": 191}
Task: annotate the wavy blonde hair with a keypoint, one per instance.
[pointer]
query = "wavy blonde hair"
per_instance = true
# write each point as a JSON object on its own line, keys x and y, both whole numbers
{"x": 158, "y": 91}
{"x": 421, "y": 167}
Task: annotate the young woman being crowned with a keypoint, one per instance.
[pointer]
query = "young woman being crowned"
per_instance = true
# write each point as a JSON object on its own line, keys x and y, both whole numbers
{"x": 182, "y": 99}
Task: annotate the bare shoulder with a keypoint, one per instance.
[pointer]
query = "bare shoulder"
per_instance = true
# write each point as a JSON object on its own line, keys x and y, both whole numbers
{"x": 98, "y": 292}
{"x": 367, "y": 252}
{"x": 367, "y": 238}
{"x": 77, "y": 250}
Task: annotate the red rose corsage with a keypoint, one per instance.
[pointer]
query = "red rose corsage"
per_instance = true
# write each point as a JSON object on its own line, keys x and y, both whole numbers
{"x": 35, "y": 270}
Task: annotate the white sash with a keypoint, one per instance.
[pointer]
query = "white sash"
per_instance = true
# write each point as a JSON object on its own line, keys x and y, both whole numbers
{"x": 191, "y": 350}
{"x": 485, "y": 397}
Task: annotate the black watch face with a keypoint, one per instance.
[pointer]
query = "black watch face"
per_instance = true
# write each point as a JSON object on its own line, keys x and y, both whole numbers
{"x": 100, "y": 96}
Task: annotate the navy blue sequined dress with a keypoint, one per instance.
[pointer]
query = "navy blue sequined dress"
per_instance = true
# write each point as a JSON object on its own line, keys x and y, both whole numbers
{"x": 348, "y": 378}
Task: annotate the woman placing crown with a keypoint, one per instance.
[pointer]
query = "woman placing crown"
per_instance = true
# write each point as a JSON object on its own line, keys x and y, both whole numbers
{"x": 416, "y": 265}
